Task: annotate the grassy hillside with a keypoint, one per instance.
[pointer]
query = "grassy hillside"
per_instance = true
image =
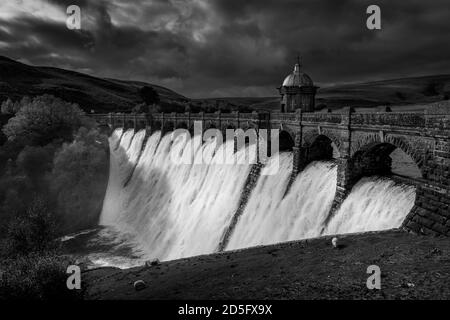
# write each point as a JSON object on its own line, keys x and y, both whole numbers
{"x": 407, "y": 93}
{"x": 397, "y": 92}
{"x": 105, "y": 95}
{"x": 102, "y": 95}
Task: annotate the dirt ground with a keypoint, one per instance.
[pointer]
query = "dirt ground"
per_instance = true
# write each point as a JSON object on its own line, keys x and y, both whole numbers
{"x": 412, "y": 267}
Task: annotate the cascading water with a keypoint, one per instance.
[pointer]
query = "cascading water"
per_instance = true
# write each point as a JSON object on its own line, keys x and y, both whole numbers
{"x": 158, "y": 207}
{"x": 269, "y": 217}
{"x": 176, "y": 210}
{"x": 374, "y": 204}
{"x": 125, "y": 149}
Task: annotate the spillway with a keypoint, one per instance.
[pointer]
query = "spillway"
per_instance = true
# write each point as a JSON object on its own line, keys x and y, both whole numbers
{"x": 176, "y": 198}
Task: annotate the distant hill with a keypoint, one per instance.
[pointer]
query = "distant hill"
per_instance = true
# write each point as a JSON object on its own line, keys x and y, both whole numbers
{"x": 102, "y": 95}
{"x": 396, "y": 92}
{"x": 403, "y": 93}
{"x": 107, "y": 95}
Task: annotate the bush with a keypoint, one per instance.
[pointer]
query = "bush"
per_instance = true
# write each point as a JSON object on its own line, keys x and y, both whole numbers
{"x": 30, "y": 267}
{"x": 36, "y": 276}
{"x": 79, "y": 180}
{"x": 44, "y": 119}
{"x": 36, "y": 161}
{"x": 10, "y": 107}
{"x": 33, "y": 232}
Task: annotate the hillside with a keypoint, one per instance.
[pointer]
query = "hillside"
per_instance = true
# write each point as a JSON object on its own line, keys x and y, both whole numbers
{"x": 102, "y": 95}
{"x": 407, "y": 93}
{"x": 106, "y": 95}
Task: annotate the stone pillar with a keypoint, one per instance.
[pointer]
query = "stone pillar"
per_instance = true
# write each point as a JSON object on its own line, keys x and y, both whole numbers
{"x": 300, "y": 159}
{"x": 250, "y": 184}
{"x": 345, "y": 181}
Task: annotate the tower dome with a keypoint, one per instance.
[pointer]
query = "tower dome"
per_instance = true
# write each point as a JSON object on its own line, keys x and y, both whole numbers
{"x": 297, "y": 91}
{"x": 297, "y": 78}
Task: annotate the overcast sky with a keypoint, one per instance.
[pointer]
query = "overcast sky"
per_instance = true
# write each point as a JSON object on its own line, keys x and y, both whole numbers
{"x": 214, "y": 48}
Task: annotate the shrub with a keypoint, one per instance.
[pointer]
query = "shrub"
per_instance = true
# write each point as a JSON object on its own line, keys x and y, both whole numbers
{"x": 44, "y": 119}
{"x": 36, "y": 276}
{"x": 79, "y": 179}
{"x": 36, "y": 161}
{"x": 33, "y": 232}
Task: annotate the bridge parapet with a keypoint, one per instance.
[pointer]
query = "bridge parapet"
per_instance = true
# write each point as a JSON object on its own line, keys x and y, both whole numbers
{"x": 333, "y": 118}
{"x": 395, "y": 119}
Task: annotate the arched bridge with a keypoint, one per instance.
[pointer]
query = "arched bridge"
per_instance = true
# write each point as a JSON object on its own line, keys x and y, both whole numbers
{"x": 361, "y": 143}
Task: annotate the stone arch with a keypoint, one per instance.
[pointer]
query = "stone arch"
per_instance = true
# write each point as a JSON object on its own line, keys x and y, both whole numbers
{"x": 371, "y": 140}
{"x": 371, "y": 154}
{"x": 130, "y": 124}
{"x": 312, "y": 136}
{"x": 181, "y": 125}
{"x": 225, "y": 127}
{"x": 157, "y": 126}
{"x": 210, "y": 125}
{"x": 322, "y": 148}
{"x": 169, "y": 126}
{"x": 286, "y": 141}
{"x": 142, "y": 124}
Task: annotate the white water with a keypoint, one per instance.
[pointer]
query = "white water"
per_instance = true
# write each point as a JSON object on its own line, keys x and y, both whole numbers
{"x": 270, "y": 218}
{"x": 373, "y": 204}
{"x": 175, "y": 210}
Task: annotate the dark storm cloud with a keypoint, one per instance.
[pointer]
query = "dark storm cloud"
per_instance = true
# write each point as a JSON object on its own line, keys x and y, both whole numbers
{"x": 232, "y": 47}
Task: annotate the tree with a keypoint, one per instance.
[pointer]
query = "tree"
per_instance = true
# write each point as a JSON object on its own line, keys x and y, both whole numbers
{"x": 7, "y": 106}
{"x": 11, "y": 107}
{"x": 79, "y": 179}
{"x": 44, "y": 119}
{"x": 149, "y": 95}
{"x": 141, "y": 108}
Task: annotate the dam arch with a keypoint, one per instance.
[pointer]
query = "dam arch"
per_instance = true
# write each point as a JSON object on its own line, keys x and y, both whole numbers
{"x": 379, "y": 156}
{"x": 322, "y": 148}
{"x": 286, "y": 141}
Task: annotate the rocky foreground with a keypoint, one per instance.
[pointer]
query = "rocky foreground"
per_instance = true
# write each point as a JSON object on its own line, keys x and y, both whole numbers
{"x": 412, "y": 267}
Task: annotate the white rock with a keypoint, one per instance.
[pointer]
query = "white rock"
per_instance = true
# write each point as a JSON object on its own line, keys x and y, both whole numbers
{"x": 334, "y": 242}
{"x": 139, "y": 285}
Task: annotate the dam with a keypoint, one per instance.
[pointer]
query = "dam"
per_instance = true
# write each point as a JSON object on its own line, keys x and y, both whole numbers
{"x": 339, "y": 172}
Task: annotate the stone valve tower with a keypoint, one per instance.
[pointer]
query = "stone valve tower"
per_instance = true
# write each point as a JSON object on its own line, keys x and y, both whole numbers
{"x": 297, "y": 91}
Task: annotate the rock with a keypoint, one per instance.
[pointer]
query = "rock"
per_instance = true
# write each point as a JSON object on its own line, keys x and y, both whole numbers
{"x": 436, "y": 251}
{"x": 334, "y": 242}
{"x": 139, "y": 285}
{"x": 154, "y": 262}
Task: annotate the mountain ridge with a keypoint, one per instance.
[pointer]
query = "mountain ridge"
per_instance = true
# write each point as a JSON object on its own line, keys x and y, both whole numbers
{"x": 18, "y": 79}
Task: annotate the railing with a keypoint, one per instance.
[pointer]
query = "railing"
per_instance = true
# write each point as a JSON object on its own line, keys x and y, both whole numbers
{"x": 279, "y": 116}
{"x": 396, "y": 119}
{"x": 335, "y": 118}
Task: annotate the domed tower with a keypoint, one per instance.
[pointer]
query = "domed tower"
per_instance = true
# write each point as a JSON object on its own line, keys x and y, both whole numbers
{"x": 297, "y": 91}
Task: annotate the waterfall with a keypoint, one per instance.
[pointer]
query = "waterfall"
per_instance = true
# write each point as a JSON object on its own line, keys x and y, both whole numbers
{"x": 125, "y": 148}
{"x": 174, "y": 208}
{"x": 269, "y": 217}
{"x": 374, "y": 203}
